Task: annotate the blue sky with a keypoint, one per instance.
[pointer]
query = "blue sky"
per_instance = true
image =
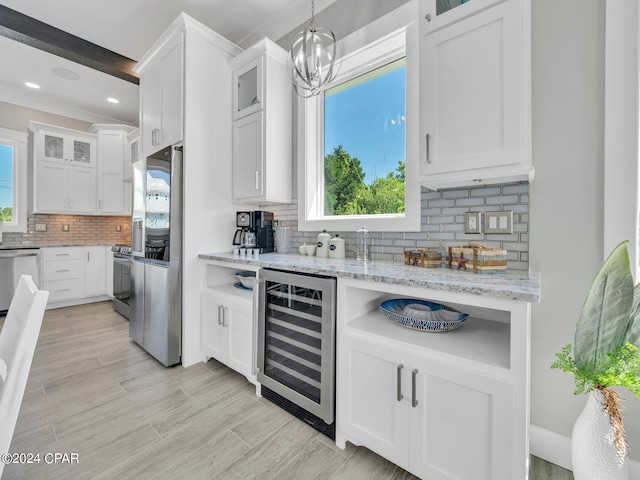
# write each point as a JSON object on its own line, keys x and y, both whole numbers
{"x": 6, "y": 176}
{"x": 371, "y": 130}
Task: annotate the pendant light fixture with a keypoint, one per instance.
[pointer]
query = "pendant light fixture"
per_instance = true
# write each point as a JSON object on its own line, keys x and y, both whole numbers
{"x": 313, "y": 59}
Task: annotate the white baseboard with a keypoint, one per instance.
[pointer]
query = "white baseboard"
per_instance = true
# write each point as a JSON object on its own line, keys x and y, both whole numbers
{"x": 556, "y": 448}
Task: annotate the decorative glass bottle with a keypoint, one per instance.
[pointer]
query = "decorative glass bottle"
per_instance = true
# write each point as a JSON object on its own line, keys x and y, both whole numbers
{"x": 363, "y": 245}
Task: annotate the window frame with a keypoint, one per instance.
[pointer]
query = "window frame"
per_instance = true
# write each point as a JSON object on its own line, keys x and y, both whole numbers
{"x": 361, "y": 55}
{"x": 18, "y": 141}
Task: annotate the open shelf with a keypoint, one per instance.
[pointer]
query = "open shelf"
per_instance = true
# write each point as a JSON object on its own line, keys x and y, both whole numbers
{"x": 479, "y": 340}
{"x": 231, "y": 291}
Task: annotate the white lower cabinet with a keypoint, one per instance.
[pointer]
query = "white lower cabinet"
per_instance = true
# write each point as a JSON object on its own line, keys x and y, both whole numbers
{"x": 426, "y": 415}
{"x": 62, "y": 273}
{"x": 95, "y": 271}
{"x": 74, "y": 275}
{"x": 444, "y": 406}
{"x": 227, "y": 330}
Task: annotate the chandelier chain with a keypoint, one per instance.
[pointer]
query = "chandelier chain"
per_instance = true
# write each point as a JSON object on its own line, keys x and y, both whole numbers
{"x": 313, "y": 14}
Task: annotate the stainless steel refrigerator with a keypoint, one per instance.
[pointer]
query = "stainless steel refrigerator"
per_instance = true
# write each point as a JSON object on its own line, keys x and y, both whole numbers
{"x": 156, "y": 266}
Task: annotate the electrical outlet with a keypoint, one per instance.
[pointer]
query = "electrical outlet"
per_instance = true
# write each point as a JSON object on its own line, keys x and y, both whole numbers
{"x": 473, "y": 222}
{"x": 498, "y": 222}
{"x": 65, "y": 227}
{"x": 41, "y": 227}
{"x": 118, "y": 228}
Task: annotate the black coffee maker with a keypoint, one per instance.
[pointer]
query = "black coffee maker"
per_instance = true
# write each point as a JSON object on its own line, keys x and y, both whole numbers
{"x": 260, "y": 223}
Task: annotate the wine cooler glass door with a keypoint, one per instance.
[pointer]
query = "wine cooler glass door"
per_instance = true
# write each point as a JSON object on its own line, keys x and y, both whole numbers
{"x": 296, "y": 335}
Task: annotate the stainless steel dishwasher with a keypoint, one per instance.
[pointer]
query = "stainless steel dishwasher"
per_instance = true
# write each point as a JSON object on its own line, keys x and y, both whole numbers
{"x": 13, "y": 263}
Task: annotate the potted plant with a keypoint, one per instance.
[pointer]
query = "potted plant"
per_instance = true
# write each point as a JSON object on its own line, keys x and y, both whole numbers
{"x": 605, "y": 355}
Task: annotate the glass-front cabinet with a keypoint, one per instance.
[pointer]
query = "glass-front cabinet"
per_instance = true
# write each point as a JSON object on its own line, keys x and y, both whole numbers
{"x": 59, "y": 147}
{"x": 435, "y": 14}
{"x": 248, "y": 95}
{"x": 64, "y": 173}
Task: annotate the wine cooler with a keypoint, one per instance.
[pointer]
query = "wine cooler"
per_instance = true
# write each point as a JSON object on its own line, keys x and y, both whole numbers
{"x": 296, "y": 345}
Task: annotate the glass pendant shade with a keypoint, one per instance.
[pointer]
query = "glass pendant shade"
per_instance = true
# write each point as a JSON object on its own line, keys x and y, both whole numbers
{"x": 312, "y": 60}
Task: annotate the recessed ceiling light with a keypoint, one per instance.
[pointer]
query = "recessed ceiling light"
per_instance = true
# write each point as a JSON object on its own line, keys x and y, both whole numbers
{"x": 65, "y": 73}
{"x": 32, "y": 85}
{"x": 113, "y": 100}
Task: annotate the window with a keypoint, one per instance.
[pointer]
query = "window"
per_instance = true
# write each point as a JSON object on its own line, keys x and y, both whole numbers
{"x": 357, "y": 139}
{"x": 364, "y": 143}
{"x": 13, "y": 180}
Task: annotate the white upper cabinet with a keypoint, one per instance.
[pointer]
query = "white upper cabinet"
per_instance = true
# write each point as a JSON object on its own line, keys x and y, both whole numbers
{"x": 475, "y": 93}
{"x": 436, "y": 14}
{"x": 113, "y": 165}
{"x": 248, "y": 91}
{"x": 64, "y": 146}
{"x": 64, "y": 170}
{"x": 161, "y": 96}
{"x": 261, "y": 125}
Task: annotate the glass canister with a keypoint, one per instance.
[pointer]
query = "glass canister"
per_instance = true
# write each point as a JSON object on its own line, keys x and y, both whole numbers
{"x": 282, "y": 238}
{"x": 363, "y": 245}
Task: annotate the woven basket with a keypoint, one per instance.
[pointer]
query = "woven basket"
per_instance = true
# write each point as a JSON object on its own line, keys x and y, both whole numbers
{"x": 423, "y": 257}
{"x": 477, "y": 258}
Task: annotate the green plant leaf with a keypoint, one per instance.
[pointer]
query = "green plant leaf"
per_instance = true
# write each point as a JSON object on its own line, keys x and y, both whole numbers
{"x": 605, "y": 314}
{"x": 632, "y": 334}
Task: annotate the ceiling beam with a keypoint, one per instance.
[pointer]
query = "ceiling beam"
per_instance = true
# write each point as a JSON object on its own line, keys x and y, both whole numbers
{"x": 21, "y": 28}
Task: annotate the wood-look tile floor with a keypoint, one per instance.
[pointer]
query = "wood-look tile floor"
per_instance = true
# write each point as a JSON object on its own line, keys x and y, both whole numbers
{"x": 94, "y": 393}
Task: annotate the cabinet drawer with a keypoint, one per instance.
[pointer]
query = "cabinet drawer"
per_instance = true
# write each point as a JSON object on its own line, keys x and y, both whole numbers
{"x": 61, "y": 253}
{"x": 63, "y": 289}
{"x": 61, "y": 270}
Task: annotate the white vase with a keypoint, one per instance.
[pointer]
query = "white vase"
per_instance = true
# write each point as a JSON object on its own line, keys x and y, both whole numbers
{"x": 593, "y": 454}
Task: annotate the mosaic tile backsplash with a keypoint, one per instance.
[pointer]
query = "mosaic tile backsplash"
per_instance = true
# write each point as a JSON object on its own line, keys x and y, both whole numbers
{"x": 442, "y": 224}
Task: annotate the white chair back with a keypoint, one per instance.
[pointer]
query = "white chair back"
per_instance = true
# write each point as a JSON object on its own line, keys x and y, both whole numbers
{"x": 18, "y": 339}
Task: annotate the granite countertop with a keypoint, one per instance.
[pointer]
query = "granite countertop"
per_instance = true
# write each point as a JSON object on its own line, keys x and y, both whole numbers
{"x": 513, "y": 285}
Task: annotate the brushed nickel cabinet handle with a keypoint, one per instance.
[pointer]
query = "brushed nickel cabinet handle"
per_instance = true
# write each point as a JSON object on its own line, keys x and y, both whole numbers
{"x": 399, "y": 395}
{"x": 428, "y": 142}
{"x": 220, "y": 315}
{"x": 257, "y": 180}
{"x": 427, "y": 17}
{"x": 414, "y": 402}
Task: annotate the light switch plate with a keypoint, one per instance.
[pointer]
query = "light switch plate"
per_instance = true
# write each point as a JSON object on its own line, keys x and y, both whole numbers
{"x": 65, "y": 227}
{"x": 41, "y": 227}
{"x": 473, "y": 222}
{"x": 498, "y": 222}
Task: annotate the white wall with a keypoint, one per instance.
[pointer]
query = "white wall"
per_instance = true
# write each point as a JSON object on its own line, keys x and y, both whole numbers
{"x": 567, "y": 198}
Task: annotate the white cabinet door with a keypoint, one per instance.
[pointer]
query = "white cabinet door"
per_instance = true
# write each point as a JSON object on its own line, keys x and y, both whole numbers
{"x": 248, "y": 88}
{"x": 238, "y": 322}
{"x": 82, "y": 190}
{"x": 51, "y": 146}
{"x": 172, "y": 96}
{"x": 213, "y": 334}
{"x": 151, "y": 108}
{"x": 161, "y": 99}
{"x": 111, "y": 159}
{"x": 95, "y": 271}
{"x": 436, "y": 14}
{"x": 472, "y": 94}
{"x": 227, "y": 331}
{"x": 248, "y": 143}
{"x": 51, "y": 187}
{"x": 460, "y": 414}
{"x": 372, "y": 396}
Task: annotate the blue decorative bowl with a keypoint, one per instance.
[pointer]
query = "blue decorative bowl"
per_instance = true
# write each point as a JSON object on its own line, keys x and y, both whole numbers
{"x": 422, "y": 315}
